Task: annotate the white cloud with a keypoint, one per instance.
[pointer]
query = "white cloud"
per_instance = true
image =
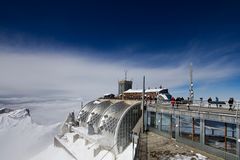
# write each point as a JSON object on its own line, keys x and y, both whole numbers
{"x": 32, "y": 72}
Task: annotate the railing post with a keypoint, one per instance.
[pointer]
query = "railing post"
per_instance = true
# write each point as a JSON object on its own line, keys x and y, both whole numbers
{"x": 225, "y": 136}
{"x": 177, "y": 127}
{"x": 146, "y": 120}
{"x": 161, "y": 114}
{"x": 193, "y": 129}
{"x": 238, "y": 141}
{"x": 170, "y": 129}
{"x": 202, "y": 131}
{"x": 158, "y": 120}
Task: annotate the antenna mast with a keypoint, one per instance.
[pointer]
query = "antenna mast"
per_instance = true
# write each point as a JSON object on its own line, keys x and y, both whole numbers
{"x": 191, "y": 92}
{"x": 125, "y": 74}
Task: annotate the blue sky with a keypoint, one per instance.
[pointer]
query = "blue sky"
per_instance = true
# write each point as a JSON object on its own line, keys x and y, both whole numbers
{"x": 79, "y": 48}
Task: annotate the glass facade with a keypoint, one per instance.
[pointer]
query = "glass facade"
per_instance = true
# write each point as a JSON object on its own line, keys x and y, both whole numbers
{"x": 218, "y": 135}
{"x": 189, "y": 128}
{"x": 127, "y": 124}
{"x": 221, "y": 135}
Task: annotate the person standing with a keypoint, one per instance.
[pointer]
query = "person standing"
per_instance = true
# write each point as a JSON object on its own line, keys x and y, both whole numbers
{"x": 217, "y": 100}
{"x": 230, "y": 102}
{"x": 209, "y": 102}
{"x": 172, "y": 102}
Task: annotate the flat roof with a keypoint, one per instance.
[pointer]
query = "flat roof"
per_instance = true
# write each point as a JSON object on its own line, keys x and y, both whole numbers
{"x": 146, "y": 91}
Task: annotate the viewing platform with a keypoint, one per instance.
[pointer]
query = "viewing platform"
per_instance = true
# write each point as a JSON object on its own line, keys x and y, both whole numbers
{"x": 221, "y": 114}
{"x": 212, "y": 129}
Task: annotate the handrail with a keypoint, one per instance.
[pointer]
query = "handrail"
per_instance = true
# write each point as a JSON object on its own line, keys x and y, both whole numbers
{"x": 200, "y": 103}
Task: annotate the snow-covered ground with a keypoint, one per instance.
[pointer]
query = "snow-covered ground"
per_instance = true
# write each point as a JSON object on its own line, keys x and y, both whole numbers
{"x": 52, "y": 153}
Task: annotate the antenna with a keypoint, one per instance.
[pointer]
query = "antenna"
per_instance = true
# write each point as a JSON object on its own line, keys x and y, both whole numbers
{"x": 191, "y": 92}
{"x": 125, "y": 71}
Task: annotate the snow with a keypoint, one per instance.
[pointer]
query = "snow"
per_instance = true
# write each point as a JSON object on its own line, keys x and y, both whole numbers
{"x": 80, "y": 150}
{"x": 96, "y": 102}
{"x": 127, "y": 153}
{"x": 23, "y": 136}
{"x": 153, "y": 90}
{"x": 146, "y": 91}
{"x": 183, "y": 157}
{"x": 19, "y": 134}
{"x": 19, "y": 114}
{"x": 133, "y": 91}
{"x": 53, "y": 153}
{"x": 44, "y": 111}
{"x": 201, "y": 157}
{"x": 12, "y": 119}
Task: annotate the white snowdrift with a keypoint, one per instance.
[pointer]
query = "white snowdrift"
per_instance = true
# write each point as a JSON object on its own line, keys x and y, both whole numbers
{"x": 53, "y": 153}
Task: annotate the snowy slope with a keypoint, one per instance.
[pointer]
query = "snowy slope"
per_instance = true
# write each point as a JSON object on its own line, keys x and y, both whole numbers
{"x": 21, "y": 138}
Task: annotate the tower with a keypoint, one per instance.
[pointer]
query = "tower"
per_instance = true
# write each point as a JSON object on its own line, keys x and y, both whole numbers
{"x": 124, "y": 85}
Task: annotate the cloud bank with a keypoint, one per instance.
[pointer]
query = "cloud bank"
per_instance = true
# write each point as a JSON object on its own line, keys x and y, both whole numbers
{"x": 65, "y": 73}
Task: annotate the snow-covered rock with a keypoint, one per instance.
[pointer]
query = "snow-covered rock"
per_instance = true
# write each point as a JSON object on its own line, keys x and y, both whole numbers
{"x": 19, "y": 114}
{"x": 13, "y": 118}
{"x": 21, "y": 138}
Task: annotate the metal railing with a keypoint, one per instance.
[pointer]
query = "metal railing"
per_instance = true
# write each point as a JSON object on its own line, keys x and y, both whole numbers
{"x": 200, "y": 104}
{"x": 141, "y": 150}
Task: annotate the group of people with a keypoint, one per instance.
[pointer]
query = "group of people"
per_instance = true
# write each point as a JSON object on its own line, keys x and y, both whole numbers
{"x": 230, "y": 102}
{"x": 180, "y": 100}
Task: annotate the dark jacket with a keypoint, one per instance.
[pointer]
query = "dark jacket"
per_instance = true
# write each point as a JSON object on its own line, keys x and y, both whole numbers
{"x": 209, "y": 100}
{"x": 230, "y": 101}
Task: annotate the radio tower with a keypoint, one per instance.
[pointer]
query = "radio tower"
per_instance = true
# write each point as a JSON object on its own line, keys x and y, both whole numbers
{"x": 125, "y": 71}
{"x": 191, "y": 92}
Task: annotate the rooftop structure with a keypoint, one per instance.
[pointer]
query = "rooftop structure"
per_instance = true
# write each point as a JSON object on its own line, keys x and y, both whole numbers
{"x": 104, "y": 122}
{"x": 154, "y": 94}
{"x": 124, "y": 85}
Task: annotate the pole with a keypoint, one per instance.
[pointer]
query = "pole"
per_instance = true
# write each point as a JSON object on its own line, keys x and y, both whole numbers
{"x": 133, "y": 146}
{"x": 193, "y": 129}
{"x": 202, "y": 131}
{"x": 143, "y": 100}
{"x": 191, "y": 93}
{"x": 171, "y": 135}
{"x": 225, "y": 136}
